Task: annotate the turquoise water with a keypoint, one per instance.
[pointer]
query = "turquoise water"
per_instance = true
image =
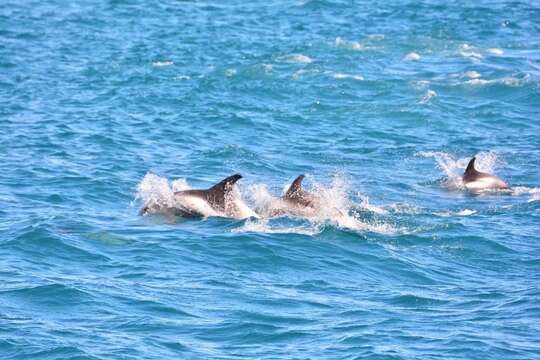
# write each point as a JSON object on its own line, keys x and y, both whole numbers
{"x": 107, "y": 105}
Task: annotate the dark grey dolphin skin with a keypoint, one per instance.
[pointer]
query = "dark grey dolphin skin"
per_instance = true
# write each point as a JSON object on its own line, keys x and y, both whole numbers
{"x": 295, "y": 195}
{"x": 216, "y": 197}
{"x": 478, "y": 180}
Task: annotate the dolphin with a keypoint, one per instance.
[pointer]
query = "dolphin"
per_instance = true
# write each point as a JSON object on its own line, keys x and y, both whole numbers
{"x": 296, "y": 201}
{"x": 299, "y": 202}
{"x": 218, "y": 200}
{"x": 475, "y": 180}
{"x": 296, "y": 196}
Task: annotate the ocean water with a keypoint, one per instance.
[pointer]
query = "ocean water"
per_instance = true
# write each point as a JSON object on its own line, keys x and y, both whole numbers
{"x": 107, "y": 105}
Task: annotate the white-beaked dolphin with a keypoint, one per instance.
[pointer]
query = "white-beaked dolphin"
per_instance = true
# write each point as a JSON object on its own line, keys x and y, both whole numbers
{"x": 475, "y": 180}
{"x": 296, "y": 196}
{"x": 300, "y": 202}
{"x": 218, "y": 200}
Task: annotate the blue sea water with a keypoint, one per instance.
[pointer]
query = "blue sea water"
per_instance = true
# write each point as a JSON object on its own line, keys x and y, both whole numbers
{"x": 105, "y": 105}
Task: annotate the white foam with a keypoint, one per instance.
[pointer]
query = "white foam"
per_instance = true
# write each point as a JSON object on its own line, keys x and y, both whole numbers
{"x": 464, "y": 212}
{"x": 525, "y": 190}
{"x": 365, "y": 204}
{"x": 508, "y": 81}
{"x": 230, "y": 72}
{"x": 472, "y": 74}
{"x": 238, "y": 208}
{"x": 155, "y": 193}
{"x": 467, "y": 51}
{"x": 162, "y": 63}
{"x": 376, "y": 37}
{"x": 412, "y": 56}
{"x": 179, "y": 185}
{"x": 263, "y": 226}
{"x": 298, "y": 74}
{"x": 347, "y": 76}
{"x": 299, "y": 58}
{"x": 427, "y": 96}
{"x": 471, "y": 54}
{"x": 354, "y": 45}
{"x": 495, "y": 51}
{"x": 267, "y": 68}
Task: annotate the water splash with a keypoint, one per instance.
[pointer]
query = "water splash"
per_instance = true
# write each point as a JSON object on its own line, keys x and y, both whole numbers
{"x": 264, "y": 226}
{"x": 464, "y": 212}
{"x": 297, "y": 58}
{"x": 162, "y": 63}
{"x": 334, "y": 207}
{"x": 495, "y": 51}
{"x": 354, "y": 45}
{"x": 525, "y": 190}
{"x": 341, "y": 76}
{"x": 427, "y": 96}
{"x": 412, "y": 56}
{"x": 156, "y": 193}
{"x": 472, "y": 74}
{"x": 507, "y": 81}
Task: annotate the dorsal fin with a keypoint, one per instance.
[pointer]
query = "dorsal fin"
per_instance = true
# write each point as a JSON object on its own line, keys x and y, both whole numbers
{"x": 470, "y": 168}
{"x": 295, "y": 188}
{"x": 217, "y": 194}
{"x": 226, "y": 184}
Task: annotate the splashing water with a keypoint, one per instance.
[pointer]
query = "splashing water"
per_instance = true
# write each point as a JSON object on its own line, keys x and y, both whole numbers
{"x": 333, "y": 208}
{"x": 264, "y": 226}
{"x": 156, "y": 193}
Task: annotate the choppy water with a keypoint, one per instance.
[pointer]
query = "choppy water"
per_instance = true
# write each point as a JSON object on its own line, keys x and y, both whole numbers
{"x": 105, "y": 104}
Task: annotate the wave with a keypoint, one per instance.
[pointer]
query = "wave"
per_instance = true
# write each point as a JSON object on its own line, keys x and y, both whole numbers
{"x": 51, "y": 294}
{"x": 507, "y": 81}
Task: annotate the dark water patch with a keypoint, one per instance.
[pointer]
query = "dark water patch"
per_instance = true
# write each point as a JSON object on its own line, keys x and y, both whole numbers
{"x": 416, "y": 302}
{"x": 40, "y": 240}
{"x": 55, "y": 295}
